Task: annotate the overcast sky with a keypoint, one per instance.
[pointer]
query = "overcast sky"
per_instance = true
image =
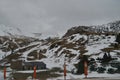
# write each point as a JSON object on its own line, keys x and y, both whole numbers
{"x": 56, "y": 16}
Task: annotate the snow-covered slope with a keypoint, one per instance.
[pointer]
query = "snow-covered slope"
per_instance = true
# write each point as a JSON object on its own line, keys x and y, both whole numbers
{"x": 74, "y": 48}
{"x": 8, "y": 30}
{"x": 53, "y": 51}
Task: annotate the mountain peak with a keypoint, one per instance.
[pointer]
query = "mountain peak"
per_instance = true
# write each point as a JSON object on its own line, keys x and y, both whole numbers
{"x": 110, "y": 28}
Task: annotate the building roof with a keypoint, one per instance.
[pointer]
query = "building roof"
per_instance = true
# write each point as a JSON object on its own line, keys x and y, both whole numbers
{"x": 33, "y": 63}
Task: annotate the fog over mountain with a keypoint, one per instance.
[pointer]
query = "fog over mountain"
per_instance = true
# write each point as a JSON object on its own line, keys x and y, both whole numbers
{"x": 55, "y": 17}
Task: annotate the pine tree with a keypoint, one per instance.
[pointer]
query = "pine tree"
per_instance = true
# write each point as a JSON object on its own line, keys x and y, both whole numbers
{"x": 118, "y": 38}
{"x": 105, "y": 57}
{"x": 109, "y": 56}
{"x": 80, "y": 66}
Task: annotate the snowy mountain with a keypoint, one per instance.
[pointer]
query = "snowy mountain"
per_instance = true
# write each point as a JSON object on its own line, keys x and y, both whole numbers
{"x": 17, "y": 32}
{"x": 8, "y": 30}
{"x": 95, "y": 42}
{"x": 110, "y": 28}
{"x": 113, "y": 27}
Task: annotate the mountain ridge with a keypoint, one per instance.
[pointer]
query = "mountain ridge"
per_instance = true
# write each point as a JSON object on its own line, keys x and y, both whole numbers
{"x": 53, "y": 50}
{"x": 110, "y": 28}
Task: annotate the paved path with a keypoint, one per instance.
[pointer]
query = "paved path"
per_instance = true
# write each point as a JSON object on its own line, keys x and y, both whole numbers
{"x": 100, "y": 79}
{"x": 94, "y": 79}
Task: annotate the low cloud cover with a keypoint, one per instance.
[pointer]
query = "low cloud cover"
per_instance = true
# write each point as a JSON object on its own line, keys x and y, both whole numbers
{"x": 56, "y": 16}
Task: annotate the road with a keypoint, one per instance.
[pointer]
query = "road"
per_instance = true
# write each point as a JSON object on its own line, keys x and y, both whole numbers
{"x": 101, "y": 79}
{"x": 94, "y": 79}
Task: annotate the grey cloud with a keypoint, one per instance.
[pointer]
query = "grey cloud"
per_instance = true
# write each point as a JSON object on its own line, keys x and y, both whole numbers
{"x": 56, "y": 16}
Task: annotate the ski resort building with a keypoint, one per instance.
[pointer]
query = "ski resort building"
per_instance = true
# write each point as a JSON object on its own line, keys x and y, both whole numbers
{"x": 22, "y": 65}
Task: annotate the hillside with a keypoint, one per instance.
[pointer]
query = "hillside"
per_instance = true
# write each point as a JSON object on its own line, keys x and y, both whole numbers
{"x": 110, "y": 28}
{"x": 93, "y": 41}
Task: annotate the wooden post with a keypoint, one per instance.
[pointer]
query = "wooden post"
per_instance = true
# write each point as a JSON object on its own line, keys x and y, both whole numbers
{"x": 34, "y": 75}
{"x": 85, "y": 69}
{"x": 4, "y": 73}
{"x": 65, "y": 71}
